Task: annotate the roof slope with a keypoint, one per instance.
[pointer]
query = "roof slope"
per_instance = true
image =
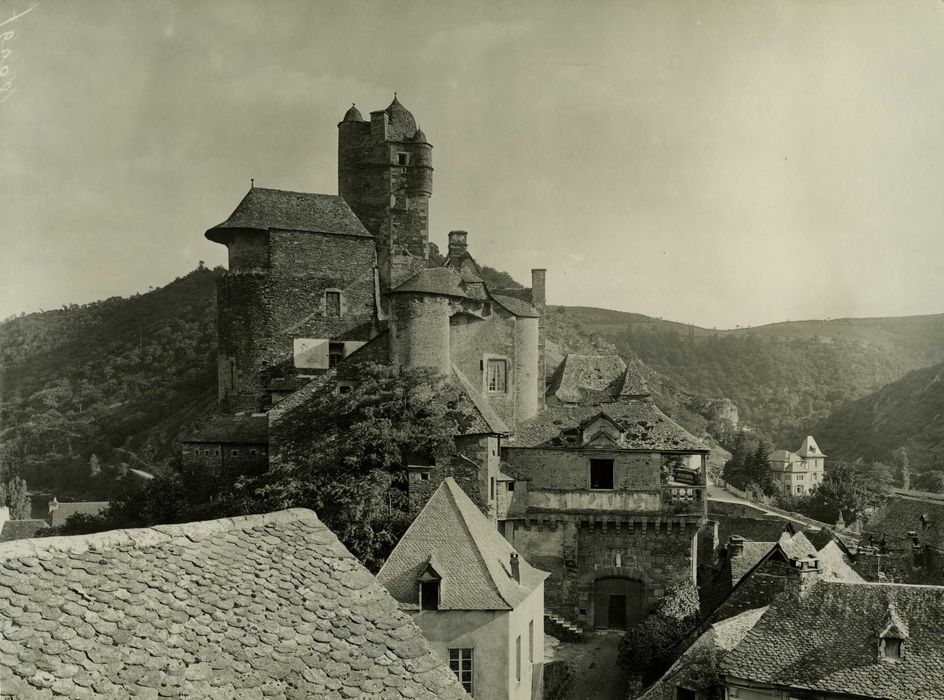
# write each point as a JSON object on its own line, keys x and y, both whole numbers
{"x": 232, "y": 429}
{"x": 228, "y": 608}
{"x": 901, "y": 514}
{"x": 645, "y": 427}
{"x": 265, "y": 209}
{"x": 21, "y": 529}
{"x": 473, "y": 559}
{"x": 66, "y": 510}
{"x": 828, "y": 641}
{"x": 587, "y": 378}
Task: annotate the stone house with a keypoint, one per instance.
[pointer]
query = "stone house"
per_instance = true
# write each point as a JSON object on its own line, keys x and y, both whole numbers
{"x": 228, "y": 445}
{"x": 261, "y": 605}
{"x": 479, "y": 603}
{"x": 798, "y": 472}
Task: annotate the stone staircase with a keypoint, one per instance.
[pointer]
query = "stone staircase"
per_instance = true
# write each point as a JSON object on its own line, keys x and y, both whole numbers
{"x": 559, "y": 626}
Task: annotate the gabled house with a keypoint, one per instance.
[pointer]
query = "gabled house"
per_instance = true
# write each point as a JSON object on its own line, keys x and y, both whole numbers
{"x": 798, "y": 472}
{"x": 263, "y": 605}
{"x": 479, "y": 603}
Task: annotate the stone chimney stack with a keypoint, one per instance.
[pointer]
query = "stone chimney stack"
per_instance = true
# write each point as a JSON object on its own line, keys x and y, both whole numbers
{"x": 805, "y": 574}
{"x": 735, "y": 546}
{"x": 515, "y": 567}
{"x": 53, "y": 505}
{"x": 458, "y": 243}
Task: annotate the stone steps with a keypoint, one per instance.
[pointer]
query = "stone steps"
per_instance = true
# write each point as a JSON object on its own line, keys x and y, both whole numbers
{"x": 559, "y": 626}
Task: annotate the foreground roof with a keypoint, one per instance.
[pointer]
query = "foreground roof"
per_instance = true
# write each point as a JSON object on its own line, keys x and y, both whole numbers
{"x": 471, "y": 557}
{"x": 264, "y": 209}
{"x": 264, "y": 604}
{"x": 644, "y": 426}
{"x": 828, "y": 641}
{"x": 232, "y": 429}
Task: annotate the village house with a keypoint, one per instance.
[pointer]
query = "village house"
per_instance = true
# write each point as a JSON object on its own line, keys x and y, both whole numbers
{"x": 479, "y": 603}
{"x": 798, "y": 472}
{"x": 60, "y": 512}
{"x": 11, "y": 529}
{"x": 261, "y": 605}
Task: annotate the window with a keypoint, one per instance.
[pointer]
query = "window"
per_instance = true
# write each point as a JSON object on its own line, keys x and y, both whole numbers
{"x": 518, "y": 657}
{"x": 460, "y": 661}
{"x": 429, "y": 595}
{"x": 511, "y": 485}
{"x": 601, "y": 474}
{"x": 252, "y": 452}
{"x": 496, "y": 376}
{"x": 206, "y": 452}
{"x": 892, "y": 648}
{"x": 335, "y": 353}
{"x": 403, "y": 158}
{"x": 234, "y": 453}
{"x": 531, "y": 642}
{"x": 333, "y": 304}
{"x": 492, "y": 488}
{"x": 424, "y": 476}
{"x": 344, "y": 388}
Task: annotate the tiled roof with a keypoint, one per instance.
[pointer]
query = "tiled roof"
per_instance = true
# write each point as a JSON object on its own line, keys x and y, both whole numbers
{"x": 482, "y": 417}
{"x": 260, "y": 605}
{"x": 901, "y": 514}
{"x": 472, "y": 558}
{"x": 21, "y": 529}
{"x": 645, "y": 427}
{"x": 265, "y": 209}
{"x": 696, "y": 668}
{"x": 834, "y": 565}
{"x": 232, "y": 429}
{"x": 590, "y": 378}
{"x": 809, "y": 448}
{"x": 754, "y": 529}
{"x": 515, "y": 306}
{"x": 440, "y": 281}
{"x": 828, "y": 642}
{"x": 752, "y": 553}
{"x": 66, "y": 510}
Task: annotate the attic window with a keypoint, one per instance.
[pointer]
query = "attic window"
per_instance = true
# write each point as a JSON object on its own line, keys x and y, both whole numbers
{"x": 429, "y": 595}
{"x": 335, "y": 353}
{"x": 892, "y": 649}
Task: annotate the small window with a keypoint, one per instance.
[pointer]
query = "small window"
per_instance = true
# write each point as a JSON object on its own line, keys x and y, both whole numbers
{"x": 333, "y": 304}
{"x": 892, "y": 648}
{"x": 511, "y": 485}
{"x": 234, "y": 453}
{"x": 460, "y": 661}
{"x": 496, "y": 376}
{"x": 429, "y": 595}
{"x": 403, "y": 158}
{"x": 424, "y": 476}
{"x": 345, "y": 388}
{"x": 518, "y": 657}
{"x": 492, "y": 488}
{"x": 252, "y": 452}
{"x": 335, "y": 353}
{"x": 601, "y": 474}
{"x": 531, "y": 642}
{"x": 206, "y": 452}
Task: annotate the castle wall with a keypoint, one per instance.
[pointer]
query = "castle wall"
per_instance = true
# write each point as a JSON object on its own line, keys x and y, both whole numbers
{"x": 248, "y": 250}
{"x": 473, "y": 340}
{"x": 569, "y": 469}
{"x": 419, "y": 332}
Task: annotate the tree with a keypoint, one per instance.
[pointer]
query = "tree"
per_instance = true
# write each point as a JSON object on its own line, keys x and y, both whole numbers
{"x": 758, "y": 470}
{"x": 903, "y": 467}
{"x": 932, "y": 481}
{"x": 14, "y": 496}
{"x": 649, "y": 648}
{"x": 845, "y": 491}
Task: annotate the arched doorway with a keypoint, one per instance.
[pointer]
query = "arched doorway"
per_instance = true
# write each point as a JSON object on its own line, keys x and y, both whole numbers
{"x": 617, "y": 602}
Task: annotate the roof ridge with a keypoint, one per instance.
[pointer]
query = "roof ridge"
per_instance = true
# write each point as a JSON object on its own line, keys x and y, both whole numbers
{"x": 449, "y": 483}
{"x": 309, "y": 194}
{"x": 146, "y": 536}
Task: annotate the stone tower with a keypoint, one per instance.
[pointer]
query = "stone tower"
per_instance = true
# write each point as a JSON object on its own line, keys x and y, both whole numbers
{"x": 385, "y": 174}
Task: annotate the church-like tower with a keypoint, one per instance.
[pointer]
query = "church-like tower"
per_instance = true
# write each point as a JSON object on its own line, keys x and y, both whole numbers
{"x": 385, "y": 174}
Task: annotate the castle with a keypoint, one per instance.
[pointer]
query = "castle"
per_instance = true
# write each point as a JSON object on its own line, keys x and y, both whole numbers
{"x": 590, "y": 481}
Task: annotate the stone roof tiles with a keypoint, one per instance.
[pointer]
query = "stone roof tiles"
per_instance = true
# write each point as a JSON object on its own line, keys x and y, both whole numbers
{"x": 268, "y": 605}
{"x": 64, "y": 511}
{"x": 21, "y": 529}
{"x": 439, "y": 281}
{"x": 589, "y": 378}
{"x": 828, "y": 642}
{"x": 265, "y": 209}
{"x": 232, "y": 429}
{"x": 516, "y": 306}
{"x": 472, "y": 558}
{"x": 645, "y": 427}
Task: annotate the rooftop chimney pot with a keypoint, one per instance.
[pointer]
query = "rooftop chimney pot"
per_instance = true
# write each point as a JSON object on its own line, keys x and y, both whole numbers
{"x": 515, "y": 568}
{"x": 458, "y": 243}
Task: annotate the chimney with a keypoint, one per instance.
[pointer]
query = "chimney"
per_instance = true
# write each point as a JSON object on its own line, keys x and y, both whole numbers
{"x": 735, "y": 546}
{"x": 53, "y": 504}
{"x": 515, "y": 568}
{"x": 805, "y": 574}
{"x": 457, "y": 244}
{"x": 538, "y": 280}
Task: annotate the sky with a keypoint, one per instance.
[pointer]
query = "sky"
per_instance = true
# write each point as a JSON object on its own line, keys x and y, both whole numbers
{"x": 718, "y": 163}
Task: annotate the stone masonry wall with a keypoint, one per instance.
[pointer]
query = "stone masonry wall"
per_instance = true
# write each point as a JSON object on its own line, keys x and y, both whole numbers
{"x": 472, "y": 340}
{"x": 570, "y": 469}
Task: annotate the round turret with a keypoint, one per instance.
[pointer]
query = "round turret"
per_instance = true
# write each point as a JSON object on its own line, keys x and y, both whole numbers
{"x": 419, "y": 136}
{"x": 353, "y": 115}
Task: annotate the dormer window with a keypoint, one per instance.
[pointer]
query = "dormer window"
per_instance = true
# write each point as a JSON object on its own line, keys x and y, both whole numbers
{"x": 892, "y": 637}
{"x": 429, "y": 595}
{"x": 335, "y": 353}
{"x": 892, "y": 649}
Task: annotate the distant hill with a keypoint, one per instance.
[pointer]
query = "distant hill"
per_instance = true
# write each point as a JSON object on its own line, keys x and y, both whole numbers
{"x": 784, "y": 378}
{"x": 907, "y": 413}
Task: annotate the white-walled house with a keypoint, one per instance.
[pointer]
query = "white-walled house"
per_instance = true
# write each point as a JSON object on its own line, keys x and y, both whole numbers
{"x": 798, "y": 472}
{"x": 478, "y": 603}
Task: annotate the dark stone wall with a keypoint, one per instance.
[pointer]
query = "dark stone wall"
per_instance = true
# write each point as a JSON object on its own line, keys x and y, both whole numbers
{"x": 226, "y": 461}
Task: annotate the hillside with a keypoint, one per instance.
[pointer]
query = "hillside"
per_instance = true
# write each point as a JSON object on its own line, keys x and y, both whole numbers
{"x": 87, "y": 392}
{"x": 907, "y": 413}
{"x": 785, "y": 377}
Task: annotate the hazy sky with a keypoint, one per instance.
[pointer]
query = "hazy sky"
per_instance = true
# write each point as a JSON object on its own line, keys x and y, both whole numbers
{"x": 718, "y": 163}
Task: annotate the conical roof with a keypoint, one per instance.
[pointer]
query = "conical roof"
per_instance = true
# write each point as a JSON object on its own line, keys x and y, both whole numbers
{"x": 353, "y": 115}
{"x": 401, "y": 124}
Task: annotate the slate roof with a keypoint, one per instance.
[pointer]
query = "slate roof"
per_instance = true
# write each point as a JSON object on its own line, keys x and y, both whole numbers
{"x": 259, "y": 605}
{"x": 440, "y": 281}
{"x": 483, "y": 418}
{"x": 472, "y": 558}
{"x": 265, "y": 209}
{"x": 66, "y": 510}
{"x": 589, "y": 378}
{"x": 645, "y": 427}
{"x": 828, "y": 642}
{"x": 752, "y": 553}
{"x": 902, "y": 513}
{"x": 232, "y": 429}
{"x": 809, "y": 448}
{"x": 700, "y": 661}
{"x": 21, "y": 529}
{"x": 754, "y": 529}
{"x": 516, "y": 306}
